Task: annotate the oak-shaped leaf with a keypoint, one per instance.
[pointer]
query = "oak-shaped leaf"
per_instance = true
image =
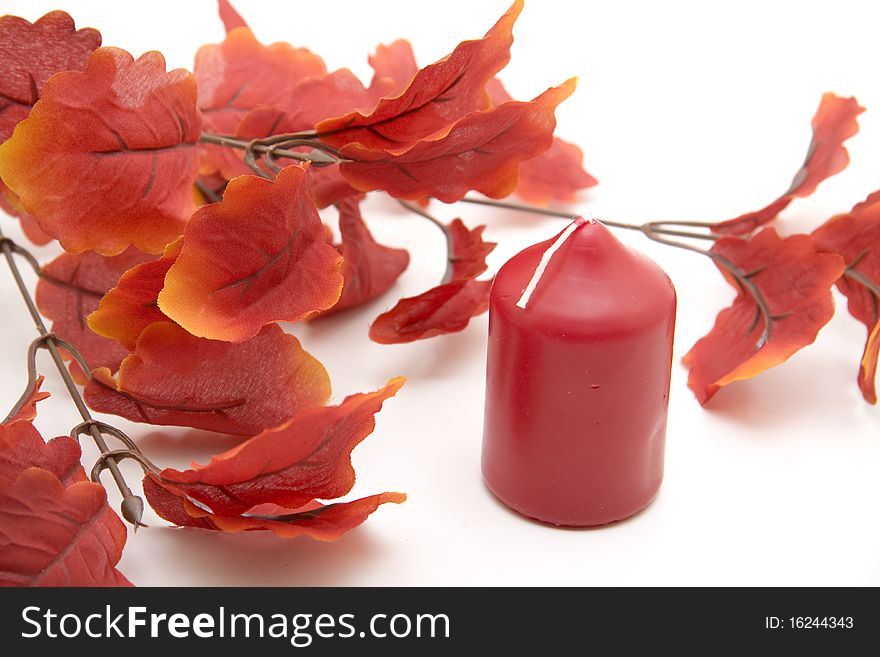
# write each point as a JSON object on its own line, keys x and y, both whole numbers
{"x": 229, "y": 15}
{"x": 856, "y": 237}
{"x": 369, "y": 269}
{"x": 557, "y": 174}
{"x": 438, "y": 95}
{"x": 315, "y": 520}
{"x": 783, "y": 300}
{"x": 394, "y": 66}
{"x": 257, "y": 257}
{"x": 449, "y": 307}
{"x": 56, "y": 535}
{"x": 480, "y": 152}
{"x": 239, "y": 75}
{"x": 306, "y": 458}
{"x": 22, "y": 446}
{"x": 125, "y": 179}
{"x": 834, "y": 123}
{"x": 133, "y": 303}
{"x": 30, "y": 54}
{"x": 10, "y": 204}
{"x": 70, "y": 288}
{"x": 175, "y": 378}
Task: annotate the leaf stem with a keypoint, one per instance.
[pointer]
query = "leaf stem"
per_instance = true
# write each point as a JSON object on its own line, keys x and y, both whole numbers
{"x": 450, "y": 246}
{"x": 132, "y": 505}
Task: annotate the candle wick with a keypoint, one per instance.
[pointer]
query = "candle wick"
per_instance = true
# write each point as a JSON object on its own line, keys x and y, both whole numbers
{"x": 545, "y": 260}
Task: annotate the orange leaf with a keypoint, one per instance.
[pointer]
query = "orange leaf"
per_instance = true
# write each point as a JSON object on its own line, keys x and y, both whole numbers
{"x": 834, "y": 123}
{"x": 230, "y": 17}
{"x": 257, "y": 257}
{"x": 315, "y": 520}
{"x": 856, "y": 237}
{"x": 123, "y": 180}
{"x": 554, "y": 175}
{"x": 438, "y": 94}
{"x": 449, "y": 307}
{"x": 70, "y": 289}
{"x": 174, "y": 378}
{"x": 132, "y": 305}
{"x": 794, "y": 280}
{"x": 239, "y": 75}
{"x": 369, "y": 269}
{"x": 54, "y": 535}
{"x": 306, "y": 458}
{"x": 481, "y": 151}
{"x": 29, "y": 226}
{"x": 30, "y": 54}
{"x": 394, "y": 67}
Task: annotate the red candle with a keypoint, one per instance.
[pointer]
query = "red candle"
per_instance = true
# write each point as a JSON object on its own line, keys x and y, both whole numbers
{"x": 580, "y": 352}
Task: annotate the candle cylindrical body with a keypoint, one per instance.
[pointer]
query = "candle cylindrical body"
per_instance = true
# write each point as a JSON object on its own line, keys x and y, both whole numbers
{"x": 578, "y": 380}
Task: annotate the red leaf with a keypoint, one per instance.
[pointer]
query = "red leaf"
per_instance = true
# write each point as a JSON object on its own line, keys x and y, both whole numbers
{"x": 132, "y": 305}
{"x": 174, "y": 378}
{"x": 328, "y": 187}
{"x": 306, "y": 458}
{"x": 554, "y": 175}
{"x": 257, "y": 257}
{"x": 230, "y": 17}
{"x": 54, "y": 535}
{"x": 795, "y": 281}
{"x": 438, "y": 95}
{"x": 22, "y": 446}
{"x": 856, "y": 236}
{"x": 369, "y": 269}
{"x": 30, "y": 54}
{"x": 834, "y": 123}
{"x": 70, "y": 289}
{"x": 315, "y": 520}
{"x": 482, "y": 152}
{"x": 239, "y": 75}
{"x": 394, "y": 67}
{"x": 123, "y": 180}
{"x": 449, "y": 307}
{"x": 29, "y": 226}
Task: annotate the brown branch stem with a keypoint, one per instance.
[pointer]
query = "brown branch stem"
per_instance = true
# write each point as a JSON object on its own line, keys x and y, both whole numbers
{"x": 132, "y": 505}
{"x": 450, "y": 246}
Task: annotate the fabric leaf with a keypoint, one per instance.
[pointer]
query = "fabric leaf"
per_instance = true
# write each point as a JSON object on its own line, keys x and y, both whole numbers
{"x": 174, "y": 378}
{"x": 833, "y": 124}
{"x": 257, "y": 257}
{"x": 856, "y": 237}
{"x": 230, "y": 17}
{"x": 794, "y": 279}
{"x": 125, "y": 179}
{"x": 480, "y": 152}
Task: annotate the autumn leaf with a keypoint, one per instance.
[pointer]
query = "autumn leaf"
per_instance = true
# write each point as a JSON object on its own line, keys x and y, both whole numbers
{"x": 230, "y": 17}
{"x": 833, "y": 124}
{"x": 22, "y": 446}
{"x": 855, "y": 236}
{"x": 174, "y": 378}
{"x": 239, "y": 75}
{"x": 328, "y": 187}
{"x": 257, "y": 257}
{"x": 438, "y": 95}
{"x": 132, "y": 305}
{"x": 481, "y": 152}
{"x": 70, "y": 288}
{"x": 54, "y": 535}
{"x": 449, "y": 307}
{"x": 30, "y": 54}
{"x": 556, "y": 174}
{"x": 369, "y": 269}
{"x": 314, "y": 520}
{"x": 793, "y": 281}
{"x": 394, "y": 67}
{"x": 123, "y": 180}
{"x": 306, "y": 458}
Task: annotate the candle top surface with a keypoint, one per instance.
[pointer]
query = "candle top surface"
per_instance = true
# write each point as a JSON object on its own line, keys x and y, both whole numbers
{"x": 591, "y": 285}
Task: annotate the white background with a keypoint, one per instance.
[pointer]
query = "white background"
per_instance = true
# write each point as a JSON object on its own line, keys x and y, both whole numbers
{"x": 685, "y": 110}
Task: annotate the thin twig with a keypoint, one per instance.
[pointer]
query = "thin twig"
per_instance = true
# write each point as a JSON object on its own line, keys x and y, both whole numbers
{"x": 450, "y": 245}
{"x": 132, "y": 505}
